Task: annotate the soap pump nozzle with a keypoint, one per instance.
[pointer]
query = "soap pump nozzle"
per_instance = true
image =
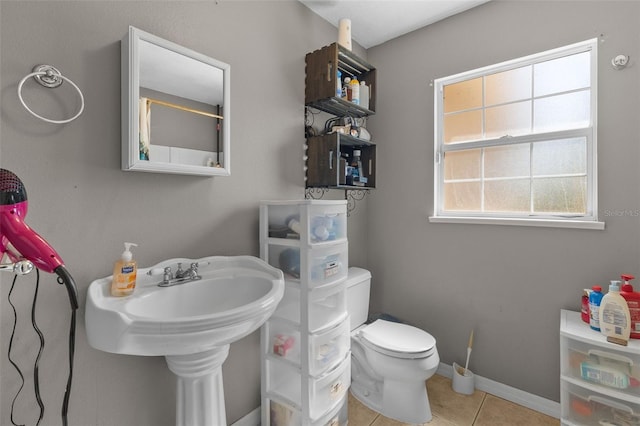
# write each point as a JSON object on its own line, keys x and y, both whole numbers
{"x": 126, "y": 254}
{"x": 626, "y": 278}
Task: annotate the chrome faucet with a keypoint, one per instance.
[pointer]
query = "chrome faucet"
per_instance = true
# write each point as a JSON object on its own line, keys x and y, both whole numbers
{"x": 181, "y": 276}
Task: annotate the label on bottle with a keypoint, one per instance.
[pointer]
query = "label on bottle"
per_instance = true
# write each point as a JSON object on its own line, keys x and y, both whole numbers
{"x": 594, "y": 313}
{"x": 126, "y": 279}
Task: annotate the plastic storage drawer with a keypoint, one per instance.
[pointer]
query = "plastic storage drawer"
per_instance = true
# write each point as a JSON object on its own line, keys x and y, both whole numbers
{"x": 327, "y": 307}
{"x": 281, "y": 414}
{"x": 325, "y": 392}
{"x": 588, "y": 407}
{"x": 326, "y": 264}
{"x": 326, "y": 221}
{"x": 601, "y": 366}
{"x": 326, "y": 349}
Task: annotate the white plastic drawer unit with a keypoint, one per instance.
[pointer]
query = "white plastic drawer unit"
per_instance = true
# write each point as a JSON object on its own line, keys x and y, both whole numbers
{"x": 281, "y": 414}
{"x": 325, "y": 221}
{"x": 605, "y": 367}
{"x": 326, "y": 349}
{"x": 588, "y": 407}
{"x": 325, "y": 307}
{"x": 325, "y": 392}
{"x": 325, "y": 264}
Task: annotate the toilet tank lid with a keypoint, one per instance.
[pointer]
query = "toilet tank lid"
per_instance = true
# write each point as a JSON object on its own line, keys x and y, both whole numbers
{"x": 356, "y": 275}
{"x": 398, "y": 337}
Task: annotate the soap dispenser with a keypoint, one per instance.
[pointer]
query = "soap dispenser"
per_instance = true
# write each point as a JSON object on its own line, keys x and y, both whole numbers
{"x": 124, "y": 273}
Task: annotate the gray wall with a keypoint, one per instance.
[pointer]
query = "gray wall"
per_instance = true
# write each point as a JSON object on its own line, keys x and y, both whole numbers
{"x": 508, "y": 283}
{"x": 86, "y": 207}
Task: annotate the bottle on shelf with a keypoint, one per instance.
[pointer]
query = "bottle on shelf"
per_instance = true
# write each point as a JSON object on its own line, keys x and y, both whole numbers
{"x": 354, "y": 85}
{"x": 595, "y": 298}
{"x": 346, "y": 89}
{"x": 339, "y": 84}
{"x": 615, "y": 320}
{"x": 364, "y": 95}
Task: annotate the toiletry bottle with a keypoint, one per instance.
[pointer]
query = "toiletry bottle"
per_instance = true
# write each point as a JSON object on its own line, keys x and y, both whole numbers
{"x": 615, "y": 320}
{"x": 584, "y": 308}
{"x": 364, "y": 95}
{"x": 595, "y": 298}
{"x": 357, "y": 165}
{"x": 354, "y": 85}
{"x": 339, "y": 84}
{"x": 633, "y": 301}
{"x": 124, "y": 273}
{"x": 346, "y": 89}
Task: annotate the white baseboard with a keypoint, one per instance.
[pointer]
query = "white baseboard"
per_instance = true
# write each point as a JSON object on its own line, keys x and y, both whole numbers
{"x": 517, "y": 396}
{"x": 251, "y": 419}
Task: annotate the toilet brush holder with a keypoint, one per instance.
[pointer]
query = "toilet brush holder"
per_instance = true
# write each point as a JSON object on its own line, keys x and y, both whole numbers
{"x": 463, "y": 381}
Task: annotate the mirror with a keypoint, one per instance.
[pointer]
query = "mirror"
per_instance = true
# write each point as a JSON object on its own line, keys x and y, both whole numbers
{"x": 175, "y": 108}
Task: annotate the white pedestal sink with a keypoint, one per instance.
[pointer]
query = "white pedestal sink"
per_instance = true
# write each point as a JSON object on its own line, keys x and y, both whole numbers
{"x": 190, "y": 324}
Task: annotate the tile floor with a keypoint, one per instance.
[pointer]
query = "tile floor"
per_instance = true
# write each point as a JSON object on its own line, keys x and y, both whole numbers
{"x": 453, "y": 409}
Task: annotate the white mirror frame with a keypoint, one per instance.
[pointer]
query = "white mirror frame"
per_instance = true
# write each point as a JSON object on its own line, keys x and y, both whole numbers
{"x": 130, "y": 50}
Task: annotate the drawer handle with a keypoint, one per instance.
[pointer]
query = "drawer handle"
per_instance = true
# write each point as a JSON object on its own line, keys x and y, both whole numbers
{"x": 611, "y": 356}
{"x": 610, "y": 403}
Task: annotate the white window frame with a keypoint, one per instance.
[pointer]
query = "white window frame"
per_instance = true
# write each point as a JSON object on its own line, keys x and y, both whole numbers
{"x": 587, "y": 221}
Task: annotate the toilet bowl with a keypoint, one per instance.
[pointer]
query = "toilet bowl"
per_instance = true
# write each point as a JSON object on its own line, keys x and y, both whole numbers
{"x": 390, "y": 361}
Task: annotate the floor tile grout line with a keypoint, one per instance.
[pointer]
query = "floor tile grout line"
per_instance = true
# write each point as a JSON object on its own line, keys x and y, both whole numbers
{"x": 484, "y": 398}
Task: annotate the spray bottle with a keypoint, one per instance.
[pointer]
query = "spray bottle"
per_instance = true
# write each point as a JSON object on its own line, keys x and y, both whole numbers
{"x": 124, "y": 273}
{"x": 633, "y": 301}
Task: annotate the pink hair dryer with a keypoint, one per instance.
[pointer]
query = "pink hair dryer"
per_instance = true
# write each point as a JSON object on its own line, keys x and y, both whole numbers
{"x": 27, "y": 242}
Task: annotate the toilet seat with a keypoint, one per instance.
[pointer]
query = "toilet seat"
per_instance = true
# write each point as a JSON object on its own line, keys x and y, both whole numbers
{"x": 398, "y": 340}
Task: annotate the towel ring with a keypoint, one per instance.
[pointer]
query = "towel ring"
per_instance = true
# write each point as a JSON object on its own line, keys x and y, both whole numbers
{"x": 49, "y": 76}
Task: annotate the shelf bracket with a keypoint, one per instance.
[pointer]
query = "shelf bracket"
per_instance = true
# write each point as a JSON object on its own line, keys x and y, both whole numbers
{"x": 315, "y": 193}
{"x": 352, "y": 196}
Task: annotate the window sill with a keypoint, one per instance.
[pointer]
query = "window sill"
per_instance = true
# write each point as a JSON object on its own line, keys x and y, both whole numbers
{"x": 548, "y": 223}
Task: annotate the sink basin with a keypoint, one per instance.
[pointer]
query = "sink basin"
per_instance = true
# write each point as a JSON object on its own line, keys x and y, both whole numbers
{"x": 191, "y": 324}
{"x": 235, "y": 296}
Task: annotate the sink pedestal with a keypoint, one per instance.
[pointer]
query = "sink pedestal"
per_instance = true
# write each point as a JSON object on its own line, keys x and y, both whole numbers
{"x": 200, "y": 395}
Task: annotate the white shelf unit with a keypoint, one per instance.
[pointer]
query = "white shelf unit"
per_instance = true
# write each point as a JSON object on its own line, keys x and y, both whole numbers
{"x": 305, "y": 345}
{"x": 596, "y": 376}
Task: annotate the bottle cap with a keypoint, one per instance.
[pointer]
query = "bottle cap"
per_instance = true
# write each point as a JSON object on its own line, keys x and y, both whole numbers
{"x": 362, "y": 83}
{"x": 126, "y": 254}
{"x": 356, "y": 152}
{"x": 615, "y": 285}
{"x": 596, "y": 288}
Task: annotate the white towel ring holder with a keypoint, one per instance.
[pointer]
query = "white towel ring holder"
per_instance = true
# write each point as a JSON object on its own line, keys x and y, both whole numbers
{"x": 49, "y": 76}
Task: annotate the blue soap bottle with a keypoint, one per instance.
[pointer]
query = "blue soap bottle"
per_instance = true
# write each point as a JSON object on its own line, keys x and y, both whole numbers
{"x": 595, "y": 297}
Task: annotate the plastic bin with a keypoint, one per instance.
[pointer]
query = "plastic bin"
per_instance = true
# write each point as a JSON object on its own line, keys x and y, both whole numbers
{"x": 325, "y": 391}
{"x": 326, "y": 220}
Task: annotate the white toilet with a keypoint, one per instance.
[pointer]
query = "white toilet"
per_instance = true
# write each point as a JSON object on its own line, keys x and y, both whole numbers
{"x": 390, "y": 361}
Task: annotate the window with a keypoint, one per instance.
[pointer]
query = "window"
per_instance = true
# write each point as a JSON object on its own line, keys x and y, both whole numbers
{"x": 515, "y": 143}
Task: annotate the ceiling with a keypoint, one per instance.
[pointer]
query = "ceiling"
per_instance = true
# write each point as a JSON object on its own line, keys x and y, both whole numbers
{"x": 375, "y": 21}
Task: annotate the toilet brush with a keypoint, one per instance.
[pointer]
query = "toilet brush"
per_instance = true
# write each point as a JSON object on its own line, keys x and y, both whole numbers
{"x": 466, "y": 364}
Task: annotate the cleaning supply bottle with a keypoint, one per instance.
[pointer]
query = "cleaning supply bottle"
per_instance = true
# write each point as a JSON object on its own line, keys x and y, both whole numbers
{"x": 339, "y": 84}
{"x": 615, "y": 319}
{"x": 595, "y": 298}
{"x": 633, "y": 302}
{"x": 124, "y": 273}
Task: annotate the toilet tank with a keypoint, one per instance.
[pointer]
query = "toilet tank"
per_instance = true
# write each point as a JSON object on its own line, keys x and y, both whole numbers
{"x": 358, "y": 291}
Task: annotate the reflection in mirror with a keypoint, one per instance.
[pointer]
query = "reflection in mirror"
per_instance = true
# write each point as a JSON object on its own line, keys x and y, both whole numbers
{"x": 176, "y": 114}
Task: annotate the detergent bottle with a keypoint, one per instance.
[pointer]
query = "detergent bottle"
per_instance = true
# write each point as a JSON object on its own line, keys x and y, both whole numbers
{"x": 633, "y": 301}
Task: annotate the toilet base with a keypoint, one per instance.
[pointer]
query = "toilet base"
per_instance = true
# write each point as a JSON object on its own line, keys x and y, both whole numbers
{"x": 399, "y": 400}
